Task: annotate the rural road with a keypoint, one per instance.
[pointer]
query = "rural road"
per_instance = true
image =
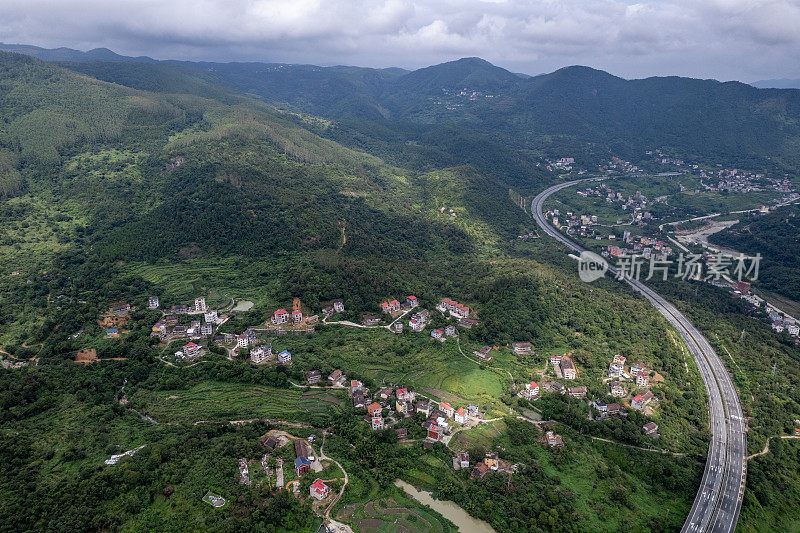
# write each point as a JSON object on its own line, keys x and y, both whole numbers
{"x": 719, "y": 498}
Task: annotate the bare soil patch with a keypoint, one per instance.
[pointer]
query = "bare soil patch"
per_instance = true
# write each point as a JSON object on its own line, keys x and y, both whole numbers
{"x": 87, "y": 355}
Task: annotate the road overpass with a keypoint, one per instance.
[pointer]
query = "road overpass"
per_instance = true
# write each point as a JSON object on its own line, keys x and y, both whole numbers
{"x": 719, "y": 498}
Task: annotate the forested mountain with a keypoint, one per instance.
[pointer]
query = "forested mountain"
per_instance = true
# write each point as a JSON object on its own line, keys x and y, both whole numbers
{"x": 694, "y": 118}
{"x": 70, "y": 54}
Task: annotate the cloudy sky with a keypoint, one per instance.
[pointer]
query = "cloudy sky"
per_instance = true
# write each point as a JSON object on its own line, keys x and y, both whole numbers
{"x": 723, "y": 39}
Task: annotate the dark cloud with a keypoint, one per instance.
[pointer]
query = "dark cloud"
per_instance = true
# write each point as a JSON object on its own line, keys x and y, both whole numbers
{"x": 725, "y": 39}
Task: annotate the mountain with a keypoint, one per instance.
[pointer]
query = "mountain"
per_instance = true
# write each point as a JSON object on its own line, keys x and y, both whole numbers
{"x": 329, "y": 91}
{"x": 702, "y": 118}
{"x": 471, "y": 73}
{"x": 782, "y": 83}
{"x": 69, "y": 54}
{"x": 732, "y": 122}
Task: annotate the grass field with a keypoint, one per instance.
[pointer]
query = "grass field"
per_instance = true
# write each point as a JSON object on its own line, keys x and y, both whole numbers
{"x": 478, "y": 437}
{"x": 411, "y": 359}
{"x": 214, "y": 401}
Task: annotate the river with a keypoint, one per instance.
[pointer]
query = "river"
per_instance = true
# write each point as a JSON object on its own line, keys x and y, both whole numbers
{"x": 451, "y": 511}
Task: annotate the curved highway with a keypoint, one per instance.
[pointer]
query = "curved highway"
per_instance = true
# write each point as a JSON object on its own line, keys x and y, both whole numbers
{"x": 719, "y": 498}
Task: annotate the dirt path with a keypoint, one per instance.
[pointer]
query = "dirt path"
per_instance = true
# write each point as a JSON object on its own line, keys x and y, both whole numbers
{"x": 766, "y": 446}
{"x": 316, "y": 386}
{"x": 458, "y": 343}
{"x": 448, "y": 438}
{"x": 346, "y": 478}
{"x": 654, "y": 450}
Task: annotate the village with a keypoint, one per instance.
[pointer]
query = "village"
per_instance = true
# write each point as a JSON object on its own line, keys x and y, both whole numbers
{"x": 415, "y": 417}
{"x": 198, "y": 325}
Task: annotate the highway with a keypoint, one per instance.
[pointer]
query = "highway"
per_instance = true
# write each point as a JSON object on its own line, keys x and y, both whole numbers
{"x": 719, "y": 498}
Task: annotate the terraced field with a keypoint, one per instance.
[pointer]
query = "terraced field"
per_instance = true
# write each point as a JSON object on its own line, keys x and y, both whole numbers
{"x": 394, "y": 514}
{"x": 216, "y": 401}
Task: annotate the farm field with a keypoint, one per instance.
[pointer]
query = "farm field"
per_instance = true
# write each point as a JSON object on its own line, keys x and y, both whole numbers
{"x": 410, "y": 359}
{"x": 216, "y": 401}
{"x": 230, "y": 276}
{"x": 394, "y": 513}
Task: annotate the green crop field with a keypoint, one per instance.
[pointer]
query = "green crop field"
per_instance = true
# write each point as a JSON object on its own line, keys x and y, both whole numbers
{"x": 214, "y": 401}
{"x": 393, "y": 513}
{"x": 410, "y": 358}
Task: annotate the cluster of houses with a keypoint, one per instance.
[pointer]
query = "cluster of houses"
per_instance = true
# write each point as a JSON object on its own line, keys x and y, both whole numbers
{"x": 743, "y": 181}
{"x": 779, "y": 320}
{"x": 638, "y": 371}
{"x": 442, "y": 334}
{"x": 282, "y": 317}
{"x": 564, "y": 366}
{"x": 617, "y": 374}
{"x": 438, "y": 416}
{"x": 455, "y": 309}
{"x": 403, "y": 402}
{"x": 419, "y": 320}
{"x": 616, "y": 164}
{"x": 117, "y": 315}
{"x": 642, "y": 245}
{"x": 303, "y": 463}
{"x": 562, "y": 164}
{"x": 491, "y": 462}
{"x": 336, "y": 306}
{"x": 169, "y": 326}
{"x": 393, "y": 307}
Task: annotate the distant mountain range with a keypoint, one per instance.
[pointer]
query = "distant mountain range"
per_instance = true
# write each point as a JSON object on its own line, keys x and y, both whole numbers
{"x": 70, "y": 54}
{"x": 782, "y": 83}
{"x": 573, "y": 106}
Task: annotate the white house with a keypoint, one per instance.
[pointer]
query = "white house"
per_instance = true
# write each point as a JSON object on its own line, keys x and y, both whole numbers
{"x": 531, "y": 391}
{"x": 211, "y": 316}
{"x": 377, "y": 422}
{"x": 318, "y": 490}
{"x": 284, "y": 357}
{"x": 200, "y": 305}
{"x": 152, "y": 302}
{"x": 281, "y": 316}
{"x": 242, "y": 341}
{"x": 568, "y": 368}
{"x": 338, "y": 306}
{"x": 191, "y": 349}
{"x": 616, "y": 367}
{"x": 447, "y": 409}
{"x": 260, "y": 353}
{"x": 460, "y": 416}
